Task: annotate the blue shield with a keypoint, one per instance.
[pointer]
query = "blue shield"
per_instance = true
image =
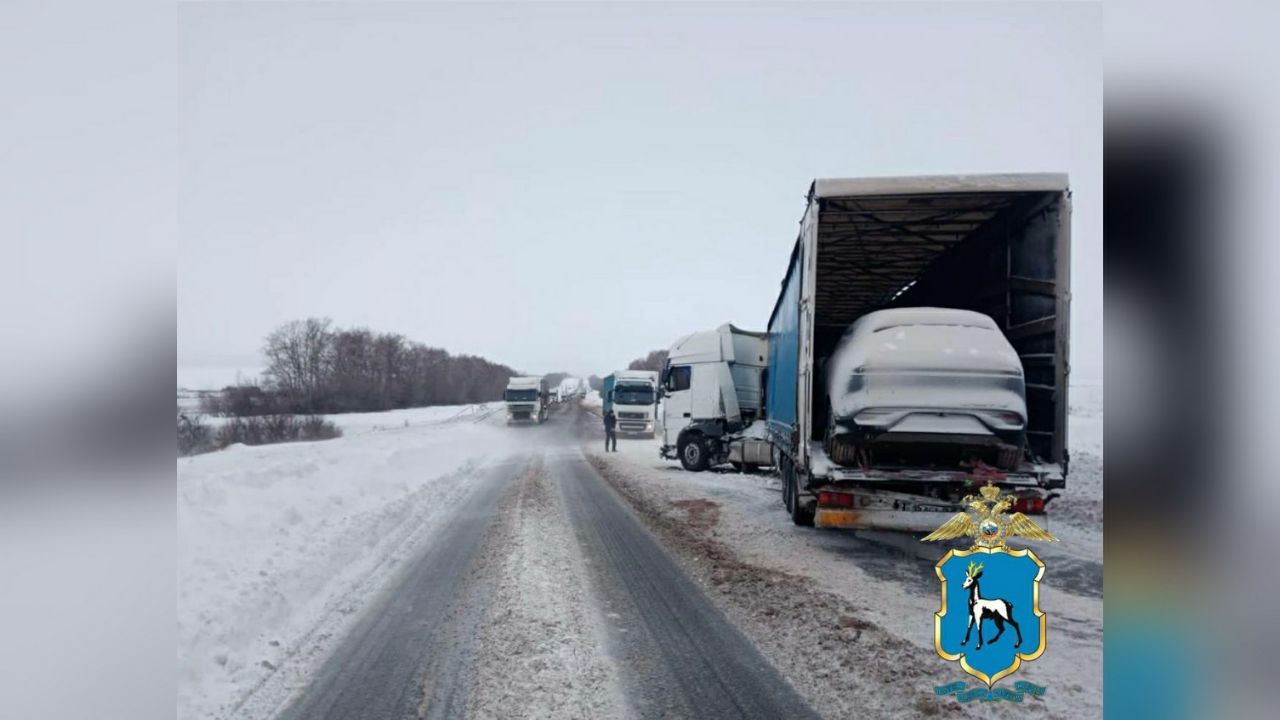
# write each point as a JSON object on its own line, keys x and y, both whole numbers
{"x": 1008, "y": 595}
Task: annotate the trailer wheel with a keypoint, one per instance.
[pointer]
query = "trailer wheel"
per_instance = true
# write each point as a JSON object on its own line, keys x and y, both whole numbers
{"x": 784, "y": 474}
{"x": 693, "y": 454}
{"x": 800, "y": 515}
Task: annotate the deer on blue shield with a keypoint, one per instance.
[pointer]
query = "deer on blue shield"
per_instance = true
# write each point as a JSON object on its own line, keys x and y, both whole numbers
{"x": 980, "y": 608}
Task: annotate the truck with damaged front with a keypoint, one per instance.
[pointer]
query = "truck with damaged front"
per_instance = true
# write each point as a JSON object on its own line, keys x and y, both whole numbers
{"x": 713, "y": 400}
{"x": 919, "y": 347}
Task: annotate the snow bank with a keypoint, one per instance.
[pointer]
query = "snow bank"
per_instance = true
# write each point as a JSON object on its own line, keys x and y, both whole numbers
{"x": 279, "y": 545}
{"x": 356, "y": 423}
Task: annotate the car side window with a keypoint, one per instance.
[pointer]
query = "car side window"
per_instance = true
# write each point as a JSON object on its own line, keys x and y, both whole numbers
{"x": 679, "y": 378}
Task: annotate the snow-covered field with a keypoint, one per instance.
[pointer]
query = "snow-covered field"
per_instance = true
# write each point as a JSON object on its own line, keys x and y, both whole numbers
{"x": 380, "y": 422}
{"x": 279, "y": 545}
{"x": 217, "y": 376}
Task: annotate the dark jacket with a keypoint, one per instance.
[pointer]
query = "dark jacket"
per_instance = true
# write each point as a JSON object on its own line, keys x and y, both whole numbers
{"x": 610, "y": 420}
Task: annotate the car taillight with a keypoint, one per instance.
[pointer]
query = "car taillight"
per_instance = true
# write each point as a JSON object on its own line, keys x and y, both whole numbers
{"x": 835, "y": 498}
{"x": 1029, "y": 505}
{"x": 1011, "y": 418}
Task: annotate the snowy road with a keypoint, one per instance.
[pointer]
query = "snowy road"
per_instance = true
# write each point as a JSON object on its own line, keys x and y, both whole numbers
{"x": 438, "y": 564}
{"x": 678, "y": 654}
{"x": 424, "y": 626}
{"x": 546, "y": 597}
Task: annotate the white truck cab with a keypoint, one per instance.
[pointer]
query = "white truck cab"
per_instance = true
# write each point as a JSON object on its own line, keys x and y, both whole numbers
{"x": 633, "y": 397}
{"x": 713, "y": 387}
{"x": 526, "y": 400}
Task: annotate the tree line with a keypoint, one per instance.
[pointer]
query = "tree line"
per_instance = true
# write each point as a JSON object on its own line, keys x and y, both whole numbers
{"x": 656, "y": 361}
{"x": 313, "y": 367}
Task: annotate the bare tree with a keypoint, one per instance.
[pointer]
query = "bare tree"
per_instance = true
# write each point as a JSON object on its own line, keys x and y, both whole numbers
{"x": 553, "y": 380}
{"x": 656, "y": 360}
{"x": 312, "y": 368}
{"x": 388, "y": 384}
{"x": 298, "y": 357}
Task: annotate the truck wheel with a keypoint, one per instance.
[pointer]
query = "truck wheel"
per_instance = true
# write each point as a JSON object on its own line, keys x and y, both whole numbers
{"x": 795, "y": 508}
{"x": 784, "y": 474}
{"x": 693, "y": 454}
{"x": 786, "y": 490}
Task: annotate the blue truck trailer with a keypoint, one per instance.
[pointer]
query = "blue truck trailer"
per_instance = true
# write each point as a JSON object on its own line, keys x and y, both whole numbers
{"x": 606, "y": 393}
{"x": 996, "y": 244}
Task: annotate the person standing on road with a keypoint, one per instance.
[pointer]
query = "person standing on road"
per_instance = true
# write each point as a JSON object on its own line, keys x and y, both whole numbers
{"x": 610, "y": 431}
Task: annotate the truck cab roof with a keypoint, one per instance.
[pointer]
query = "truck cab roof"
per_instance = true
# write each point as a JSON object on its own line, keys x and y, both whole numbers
{"x": 719, "y": 345}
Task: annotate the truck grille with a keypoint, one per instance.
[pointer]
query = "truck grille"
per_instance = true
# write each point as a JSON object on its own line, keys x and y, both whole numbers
{"x": 630, "y": 416}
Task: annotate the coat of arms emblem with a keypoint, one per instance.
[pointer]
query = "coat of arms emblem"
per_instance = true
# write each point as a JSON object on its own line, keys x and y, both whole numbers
{"x": 990, "y": 619}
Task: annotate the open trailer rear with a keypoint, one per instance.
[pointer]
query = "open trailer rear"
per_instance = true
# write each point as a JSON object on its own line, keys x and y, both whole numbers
{"x": 995, "y": 244}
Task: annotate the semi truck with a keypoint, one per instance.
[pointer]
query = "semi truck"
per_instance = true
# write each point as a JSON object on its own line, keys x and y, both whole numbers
{"x": 998, "y": 245}
{"x": 633, "y": 397}
{"x": 526, "y": 399}
{"x": 713, "y": 390}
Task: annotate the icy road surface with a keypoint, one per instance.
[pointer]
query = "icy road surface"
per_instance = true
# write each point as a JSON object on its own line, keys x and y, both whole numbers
{"x": 437, "y": 564}
{"x": 516, "y": 585}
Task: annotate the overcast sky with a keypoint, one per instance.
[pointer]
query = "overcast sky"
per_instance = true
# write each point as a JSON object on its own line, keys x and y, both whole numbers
{"x": 566, "y": 187}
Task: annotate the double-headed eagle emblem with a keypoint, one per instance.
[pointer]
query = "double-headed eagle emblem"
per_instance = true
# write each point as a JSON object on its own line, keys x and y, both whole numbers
{"x": 985, "y": 521}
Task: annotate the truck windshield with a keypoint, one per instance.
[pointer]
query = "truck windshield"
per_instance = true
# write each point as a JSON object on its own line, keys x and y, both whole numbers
{"x": 633, "y": 394}
{"x": 521, "y": 395}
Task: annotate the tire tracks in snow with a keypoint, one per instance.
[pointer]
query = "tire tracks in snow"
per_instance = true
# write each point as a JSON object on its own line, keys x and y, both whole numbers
{"x": 841, "y": 662}
{"x": 682, "y": 657}
{"x": 406, "y": 528}
{"x": 539, "y": 650}
{"x": 420, "y": 621}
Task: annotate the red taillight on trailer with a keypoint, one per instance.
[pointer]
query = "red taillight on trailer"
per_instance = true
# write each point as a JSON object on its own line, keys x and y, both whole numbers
{"x": 1029, "y": 505}
{"x": 835, "y": 499}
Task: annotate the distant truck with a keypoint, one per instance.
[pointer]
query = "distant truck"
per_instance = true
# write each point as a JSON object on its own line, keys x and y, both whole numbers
{"x": 713, "y": 387}
{"x": 569, "y": 388}
{"x": 633, "y": 397}
{"x": 526, "y": 399}
{"x": 998, "y": 245}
